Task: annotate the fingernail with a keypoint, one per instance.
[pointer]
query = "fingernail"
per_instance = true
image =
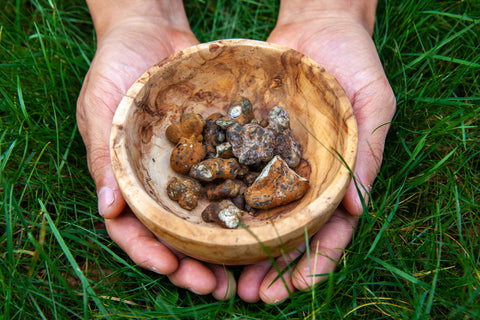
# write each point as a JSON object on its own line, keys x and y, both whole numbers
{"x": 365, "y": 191}
{"x": 152, "y": 268}
{"x": 193, "y": 290}
{"x": 105, "y": 199}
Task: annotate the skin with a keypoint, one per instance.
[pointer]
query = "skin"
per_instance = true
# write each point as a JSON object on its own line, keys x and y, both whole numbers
{"x": 133, "y": 35}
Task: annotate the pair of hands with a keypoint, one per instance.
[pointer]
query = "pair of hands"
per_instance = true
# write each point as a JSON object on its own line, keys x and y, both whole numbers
{"x": 337, "y": 41}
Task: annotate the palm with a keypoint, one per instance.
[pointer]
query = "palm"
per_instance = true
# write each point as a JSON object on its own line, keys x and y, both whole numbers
{"x": 346, "y": 50}
{"x": 122, "y": 56}
{"x": 343, "y": 48}
{"x": 127, "y": 52}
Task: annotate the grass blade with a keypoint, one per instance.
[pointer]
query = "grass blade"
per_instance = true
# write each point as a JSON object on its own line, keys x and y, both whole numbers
{"x": 402, "y": 274}
{"x": 76, "y": 268}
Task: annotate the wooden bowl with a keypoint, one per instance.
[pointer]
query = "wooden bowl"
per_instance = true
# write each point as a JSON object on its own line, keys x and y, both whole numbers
{"x": 205, "y": 79}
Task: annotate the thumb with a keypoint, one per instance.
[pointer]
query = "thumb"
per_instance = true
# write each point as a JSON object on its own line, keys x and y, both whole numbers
{"x": 94, "y": 119}
{"x": 110, "y": 198}
{"x": 374, "y": 111}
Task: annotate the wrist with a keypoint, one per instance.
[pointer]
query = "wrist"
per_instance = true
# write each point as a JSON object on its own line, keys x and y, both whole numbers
{"x": 107, "y": 14}
{"x": 363, "y": 11}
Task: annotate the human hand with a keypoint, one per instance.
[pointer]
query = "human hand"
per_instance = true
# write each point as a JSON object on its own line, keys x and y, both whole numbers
{"x": 340, "y": 40}
{"x": 130, "y": 40}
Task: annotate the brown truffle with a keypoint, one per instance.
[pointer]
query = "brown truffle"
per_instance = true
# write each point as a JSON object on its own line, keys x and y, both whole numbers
{"x": 250, "y": 177}
{"x": 240, "y": 110}
{"x": 213, "y": 135}
{"x": 224, "y": 150}
{"x": 276, "y": 185}
{"x": 185, "y": 191}
{"x": 287, "y": 148}
{"x": 185, "y": 154}
{"x": 252, "y": 144}
{"x": 190, "y": 126}
{"x": 225, "y": 213}
{"x": 278, "y": 119}
{"x": 227, "y": 189}
{"x": 285, "y": 144}
{"x": 217, "y": 168}
{"x": 244, "y": 170}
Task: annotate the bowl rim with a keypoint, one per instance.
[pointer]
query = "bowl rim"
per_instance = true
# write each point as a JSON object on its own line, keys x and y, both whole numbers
{"x": 267, "y": 235}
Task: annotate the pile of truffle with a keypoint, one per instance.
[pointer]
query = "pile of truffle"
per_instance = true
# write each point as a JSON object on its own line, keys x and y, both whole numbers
{"x": 239, "y": 163}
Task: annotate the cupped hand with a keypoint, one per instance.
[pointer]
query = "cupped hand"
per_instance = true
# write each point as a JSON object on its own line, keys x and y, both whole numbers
{"x": 343, "y": 45}
{"x": 123, "y": 54}
{"x": 339, "y": 43}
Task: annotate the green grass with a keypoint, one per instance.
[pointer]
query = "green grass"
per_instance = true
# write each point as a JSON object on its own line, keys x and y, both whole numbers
{"x": 416, "y": 255}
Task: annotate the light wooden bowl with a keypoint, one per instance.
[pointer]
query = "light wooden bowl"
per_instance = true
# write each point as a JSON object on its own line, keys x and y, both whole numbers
{"x": 205, "y": 79}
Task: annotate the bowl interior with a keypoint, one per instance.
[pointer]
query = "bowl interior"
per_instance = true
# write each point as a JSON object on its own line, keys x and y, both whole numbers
{"x": 205, "y": 79}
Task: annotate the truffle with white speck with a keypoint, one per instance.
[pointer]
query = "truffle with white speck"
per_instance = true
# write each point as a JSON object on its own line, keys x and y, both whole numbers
{"x": 276, "y": 185}
{"x": 185, "y": 191}
{"x": 224, "y": 213}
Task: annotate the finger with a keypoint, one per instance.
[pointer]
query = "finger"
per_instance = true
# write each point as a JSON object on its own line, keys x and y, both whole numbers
{"x": 326, "y": 249}
{"x": 140, "y": 244}
{"x": 374, "y": 109}
{"x": 226, "y": 284}
{"x": 94, "y": 119}
{"x": 193, "y": 275}
{"x": 250, "y": 280}
{"x": 277, "y": 284}
{"x": 201, "y": 278}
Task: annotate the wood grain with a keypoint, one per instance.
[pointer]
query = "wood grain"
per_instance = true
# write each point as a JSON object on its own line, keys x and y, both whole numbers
{"x": 205, "y": 79}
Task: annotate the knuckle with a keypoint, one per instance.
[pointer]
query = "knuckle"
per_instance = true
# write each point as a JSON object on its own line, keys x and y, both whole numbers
{"x": 98, "y": 159}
